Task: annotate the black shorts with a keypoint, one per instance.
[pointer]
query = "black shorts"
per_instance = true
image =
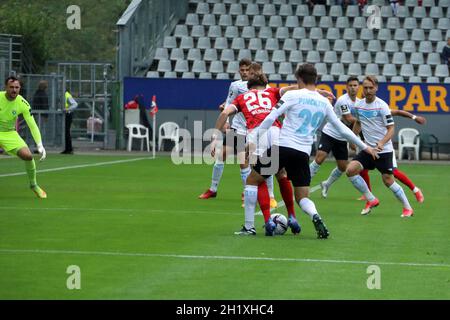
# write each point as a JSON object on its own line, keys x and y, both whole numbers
{"x": 296, "y": 164}
{"x": 234, "y": 140}
{"x": 338, "y": 147}
{"x": 383, "y": 163}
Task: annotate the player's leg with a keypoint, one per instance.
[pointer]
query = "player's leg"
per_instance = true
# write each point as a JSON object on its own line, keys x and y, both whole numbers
{"x": 340, "y": 153}
{"x": 264, "y": 200}
{"x": 399, "y": 193}
{"x": 365, "y": 175}
{"x": 250, "y": 198}
{"x": 273, "y": 202}
{"x": 244, "y": 166}
{"x": 298, "y": 172}
{"x": 14, "y": 145}
{"x": 360, "y": 162}
{"x": 308, "y": 206}
{"x": 288, "y": 198}
{"x": 385, "y": 166}
{"x": 217, "y": 172}
{"x": 325, "y": 146}
{"x": 268, "y": 140}
{"x": 399, "y": 175}
{"x": 24, "y": 153}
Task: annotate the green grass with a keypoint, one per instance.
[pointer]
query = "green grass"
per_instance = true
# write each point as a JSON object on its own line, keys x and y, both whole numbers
{"x": 138, "y": 231}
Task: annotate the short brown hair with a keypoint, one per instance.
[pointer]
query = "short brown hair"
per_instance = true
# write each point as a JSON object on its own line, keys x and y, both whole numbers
{"x": 256, "y": 67}
{"x": 372, "y": 79}
{"x": 257, "y": 80}
{"x": 352, "y": 78}
{"x": 13, "y": 79}
{"x": 307, "y": 72}
{"x": 245, "y": 62}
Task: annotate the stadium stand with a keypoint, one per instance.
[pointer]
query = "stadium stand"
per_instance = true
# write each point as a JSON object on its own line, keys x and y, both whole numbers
{"x": 281, "y": 34}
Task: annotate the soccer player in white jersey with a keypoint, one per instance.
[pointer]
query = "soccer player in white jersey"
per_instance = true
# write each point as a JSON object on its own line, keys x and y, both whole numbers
{"x": 332, "y": 140}
{"x": 305, "y": 110}
{"x": 377, "y": 124}
{"x": 400, "y": 175}
{"x": 236, "y": 137}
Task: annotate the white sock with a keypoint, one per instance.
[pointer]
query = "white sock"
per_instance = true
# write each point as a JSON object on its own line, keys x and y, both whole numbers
{"x": 250, "y": 198}
{"x": 244, "y": 174}
{"x": 400, "y": 195}
{"x": 334, "y": 175}
{"x": 415, "y": 189}
{"x": 359, "y": 183}
{"x": 216, "y": 175}
{"x": 269, "y": 182}
{"x": 308, "y": 207}
{"x": 313, "y": 168}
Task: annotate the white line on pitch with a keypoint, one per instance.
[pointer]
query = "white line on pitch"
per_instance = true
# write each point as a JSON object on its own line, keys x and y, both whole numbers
{"x": 127, "y": 210}
{"x": 281, "y": 203}
{"x": 97, "y": 164}
{"x": 183, "y": 256}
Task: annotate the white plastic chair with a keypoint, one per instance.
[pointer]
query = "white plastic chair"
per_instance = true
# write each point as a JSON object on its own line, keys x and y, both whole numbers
{"x": 408, "y": 138}
{"x": 137, "y": 131}
{"x": 169, "y": 131}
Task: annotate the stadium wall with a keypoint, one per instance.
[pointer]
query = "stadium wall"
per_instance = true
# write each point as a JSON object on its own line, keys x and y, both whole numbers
{"x": 186, "y": 100}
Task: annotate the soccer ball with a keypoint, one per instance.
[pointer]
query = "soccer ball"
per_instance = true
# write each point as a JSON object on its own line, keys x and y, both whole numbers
{"x": 281, "y": 223}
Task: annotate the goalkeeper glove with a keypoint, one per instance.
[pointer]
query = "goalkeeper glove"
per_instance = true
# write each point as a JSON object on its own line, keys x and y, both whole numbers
{"x": 41, "y": 151}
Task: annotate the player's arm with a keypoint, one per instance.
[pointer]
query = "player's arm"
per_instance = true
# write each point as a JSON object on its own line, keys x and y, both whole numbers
{"x": 327, "y": 94}
{"x": 349, "y": 119}
{"x": 347, "y": 133}
{"x": 389, "y": 134}
{"x": 221, "y": 121}
{"x": 406, "y": 114}
{"x": 280, "y": 108}
{"x": 288, "y": 88}
{"x": 356, "y": 131}
{"x": 388, "y": 121}
{"x": 345, "y": 113}
{"x": 223, "y": 116}
{"x": 34, "y": 131}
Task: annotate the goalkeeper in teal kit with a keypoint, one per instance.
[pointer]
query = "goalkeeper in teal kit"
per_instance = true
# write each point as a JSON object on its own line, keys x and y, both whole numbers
{"x": 11, "y": 106}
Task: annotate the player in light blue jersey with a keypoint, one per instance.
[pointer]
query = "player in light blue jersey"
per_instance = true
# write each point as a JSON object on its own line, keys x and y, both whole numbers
{"x": 332, "y": 141}
{"x": 377, "y": 124}
{"x": 305, "y": 110}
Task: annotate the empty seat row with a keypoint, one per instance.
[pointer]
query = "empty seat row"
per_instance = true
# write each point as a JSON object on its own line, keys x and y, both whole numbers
{"x": 337, "y": 68}
{"x": 269, "y": 9}
{"x": 306, "y": 44}
{"x": 291, "y": 77}
{"x": 314, "y": 33}
{"x": 324, "y": 22}
{"x": 311, "y": 21}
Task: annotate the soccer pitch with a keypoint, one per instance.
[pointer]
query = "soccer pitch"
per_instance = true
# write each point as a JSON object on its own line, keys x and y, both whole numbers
{"x": 136, "y": 230}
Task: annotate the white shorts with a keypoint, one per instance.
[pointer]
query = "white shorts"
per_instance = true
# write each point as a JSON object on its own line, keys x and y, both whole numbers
{"x": 265, "y": 140}
{"x": 239, "y": 124}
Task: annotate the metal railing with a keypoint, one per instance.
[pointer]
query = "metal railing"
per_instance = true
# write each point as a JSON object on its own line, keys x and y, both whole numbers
{"x": 16, "y": 55}
{"x": 141, "y": 29}
{"x": 45, "y": 93}
{"x": 90, "y": 85}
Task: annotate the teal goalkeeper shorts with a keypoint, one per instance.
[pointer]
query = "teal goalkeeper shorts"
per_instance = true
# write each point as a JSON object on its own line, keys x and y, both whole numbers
{"x": 10, "y": 141}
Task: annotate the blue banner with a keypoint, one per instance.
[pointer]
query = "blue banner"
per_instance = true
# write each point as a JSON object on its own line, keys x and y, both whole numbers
{"x": 209, "y": 94}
